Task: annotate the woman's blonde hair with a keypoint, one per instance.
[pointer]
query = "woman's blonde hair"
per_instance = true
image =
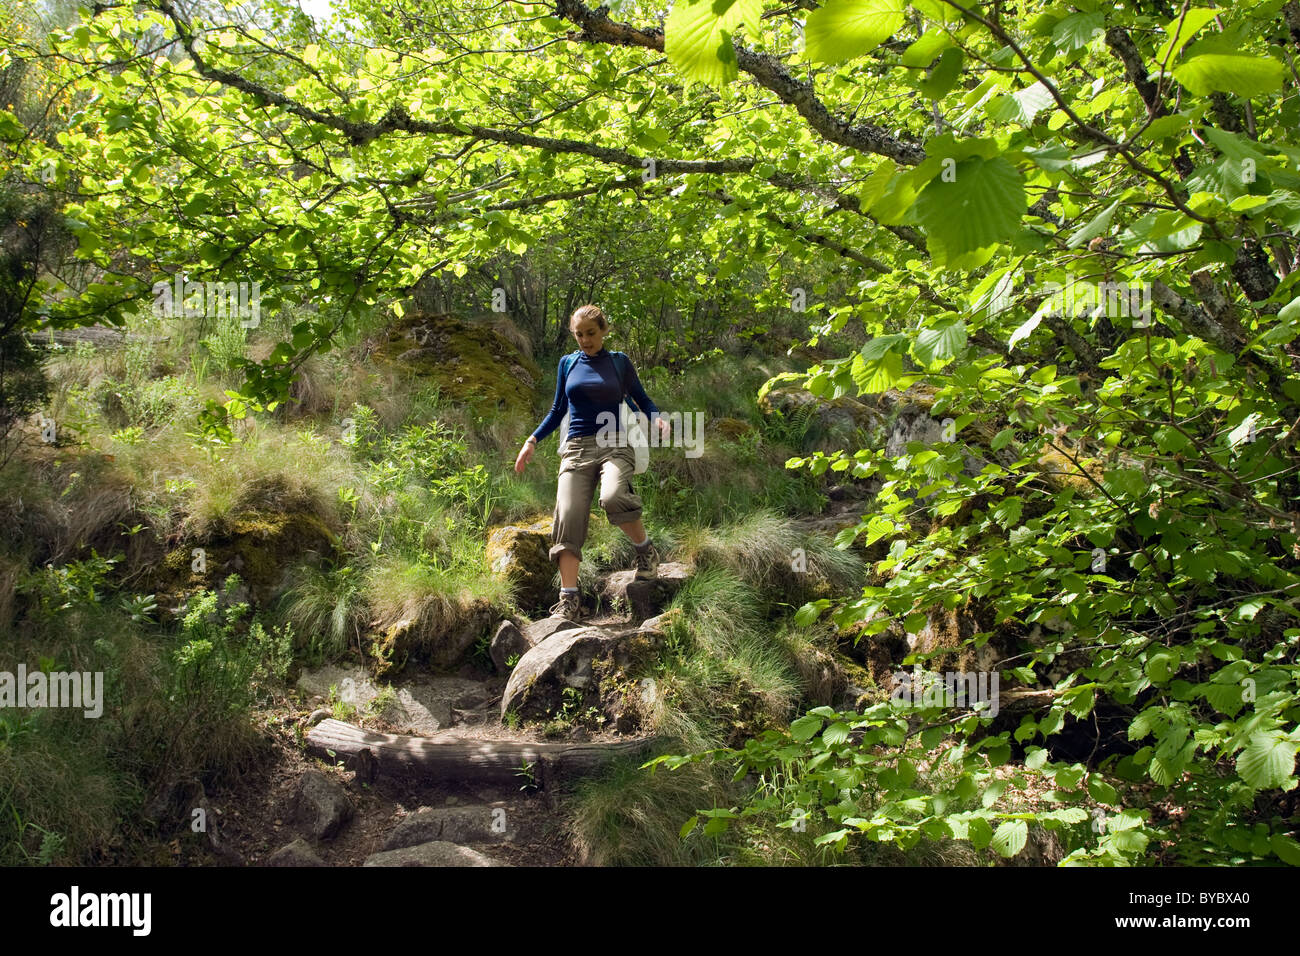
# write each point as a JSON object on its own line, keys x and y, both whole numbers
{"x": 589, "y": 312}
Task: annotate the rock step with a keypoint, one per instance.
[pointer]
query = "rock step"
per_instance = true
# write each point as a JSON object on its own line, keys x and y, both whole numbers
{"x": 476, "y": 823}
{"x": 418, "y": 704}
{"x": 572, "y": 659}
{"x": 433, "y": 853}
{"x": 471, "y": 761}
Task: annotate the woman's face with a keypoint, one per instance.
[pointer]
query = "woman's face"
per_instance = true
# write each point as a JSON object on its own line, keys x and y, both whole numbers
{"x": 589, "y": 335}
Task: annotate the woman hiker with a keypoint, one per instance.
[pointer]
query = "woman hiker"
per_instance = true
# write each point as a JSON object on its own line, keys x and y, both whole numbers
{"x": 590, "y": 388}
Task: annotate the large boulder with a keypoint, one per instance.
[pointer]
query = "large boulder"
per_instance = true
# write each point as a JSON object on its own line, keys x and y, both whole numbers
{"x": 911, "y": 418}
{"x": 507, "y": 643}
{"x": 947, "y": 635}
{"x": 585, "y": 659}
{"x": 880, "y": 654}
{"x": 520, "y": 554}
{"x": 511, "y": 641}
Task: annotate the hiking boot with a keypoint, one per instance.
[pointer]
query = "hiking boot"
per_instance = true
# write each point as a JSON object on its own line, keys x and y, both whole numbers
{"x": 647, "y": 561}
{"x": 568, "y": 607}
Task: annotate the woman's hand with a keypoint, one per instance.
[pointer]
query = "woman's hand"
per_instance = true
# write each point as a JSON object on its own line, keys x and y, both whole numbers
{"x": 664, "y": 427}
{"x": 524, "y": 457}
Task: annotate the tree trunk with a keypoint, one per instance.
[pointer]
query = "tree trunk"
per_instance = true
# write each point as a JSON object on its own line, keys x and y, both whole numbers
{"x": 473, "y": 761}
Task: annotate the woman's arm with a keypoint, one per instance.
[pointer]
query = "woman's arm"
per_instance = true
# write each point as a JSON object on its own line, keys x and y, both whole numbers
{"x": 558, "y": 407}
{"x": 637, "y": 391}
{"x": 639, "y": 396}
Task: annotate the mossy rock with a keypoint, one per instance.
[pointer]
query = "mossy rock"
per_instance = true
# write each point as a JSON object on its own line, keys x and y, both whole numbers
{"x": 260, "y": 546}
{"x": 744, "y": 715}
{"x": 880, "y": 654}
{"x": 947, "y": 636}
{"x": 595, "y": 662}
{"x": 836, "y": 422}
{"x": 520, "y": 553}
{"x": 471, "y": 364}
{"x": 618, "y": 680}
{"x": 439, "y": 632}
{"x": 858, "y": 676}
{"x": 731, "y": 429}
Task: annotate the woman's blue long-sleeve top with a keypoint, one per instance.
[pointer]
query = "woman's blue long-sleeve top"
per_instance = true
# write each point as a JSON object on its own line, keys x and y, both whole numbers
{"x": 592, "y": 387}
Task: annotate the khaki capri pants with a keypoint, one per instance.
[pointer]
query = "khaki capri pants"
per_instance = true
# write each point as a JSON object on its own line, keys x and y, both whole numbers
{"x": 583, "y": 463}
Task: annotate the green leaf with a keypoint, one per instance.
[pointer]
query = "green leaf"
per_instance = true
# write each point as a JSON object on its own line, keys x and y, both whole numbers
{"x": 1225, "y": 698}
{"x": 1160, "y": 666}
{"x": 923, "y": 51}
{"x": 1126, "y": 481}
{"x": 979, "y": 204}
{"x": 1181, "y": 29}
{"x": 836, "y": 733}
{"x": 1267, "y": 761}
{"x": 1009, "y": 838}
{"x": 1287, "y": 850}
{"x": 836, "y": 836}
{"x": 698, "y": 37}
{"x": 1290, "y": 311}
{"x": 1166, "y": 126}
{"x": 871, "y": 378}
{"x": 880, "y": 345}
{"x": 1101, "y": 791}
{"x": 942, "y": 343}
{"x": 840, "y": 30}
{"x": 805, "y": 727}
{"x": 809, "y": 613}
{"x": 1237, "y": 73}
{"x": 943, "y": 75}
{"x": 1007, "y": 513}
{"x": 1020, "y": 107}
{"x": 1077, "y": 30}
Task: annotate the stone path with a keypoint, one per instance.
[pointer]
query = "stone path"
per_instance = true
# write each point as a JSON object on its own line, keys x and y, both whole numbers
{"x": 449, "y": 730}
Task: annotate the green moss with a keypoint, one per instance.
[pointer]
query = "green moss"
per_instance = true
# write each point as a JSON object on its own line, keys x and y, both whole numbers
{"x": 520, "y": 554}
{"x": 471, "y": 364}
{"x": 258, "y": 546}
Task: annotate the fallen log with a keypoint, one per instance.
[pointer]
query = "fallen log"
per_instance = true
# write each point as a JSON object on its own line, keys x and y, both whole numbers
{"x": 460, "y": 760}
